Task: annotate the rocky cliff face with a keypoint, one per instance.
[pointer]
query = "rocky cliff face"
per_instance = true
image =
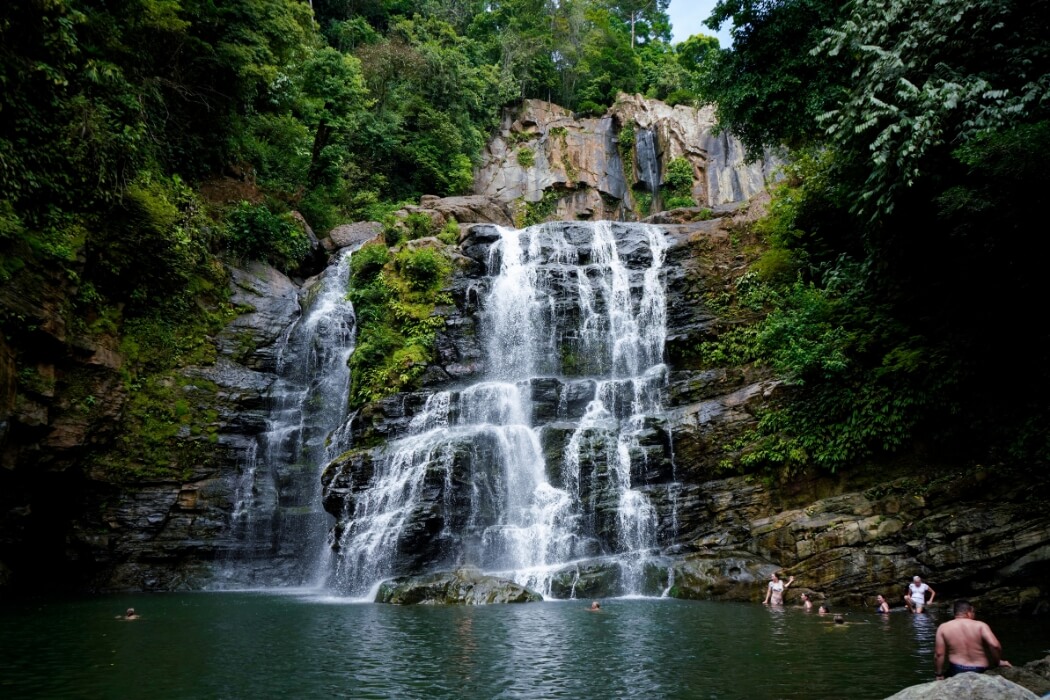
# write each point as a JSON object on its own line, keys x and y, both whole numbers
{"x": 62, "y": 398}
{"x": 579, "y": 169}
{"x": 845, "y": 539}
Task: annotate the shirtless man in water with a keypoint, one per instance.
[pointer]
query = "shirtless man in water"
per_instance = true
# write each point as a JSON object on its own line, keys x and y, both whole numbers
{"x": 964, "y": 644}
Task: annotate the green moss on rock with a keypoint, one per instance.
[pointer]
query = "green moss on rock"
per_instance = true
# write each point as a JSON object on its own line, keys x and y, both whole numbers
{"x": 395, "y": 295}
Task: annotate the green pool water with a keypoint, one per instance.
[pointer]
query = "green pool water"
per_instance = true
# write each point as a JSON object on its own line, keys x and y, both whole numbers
{"x": 306, "y": 645}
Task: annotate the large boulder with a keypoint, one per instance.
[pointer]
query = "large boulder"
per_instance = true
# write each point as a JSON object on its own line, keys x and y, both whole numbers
{"x": 470, "y": 209}
{"x": 269, "y": 303}
{"x": 726, "y": 576}
{"x": 967, "y": 686}
{"x": 460, "y": 587}
{"x": 350, "y": 235}
{"x": 1034, "y": 675}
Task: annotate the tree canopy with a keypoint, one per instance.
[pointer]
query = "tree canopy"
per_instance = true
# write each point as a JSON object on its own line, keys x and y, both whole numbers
{"x": 905, "y": 222}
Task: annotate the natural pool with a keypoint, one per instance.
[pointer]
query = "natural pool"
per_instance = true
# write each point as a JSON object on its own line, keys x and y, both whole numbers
{"x": 304, "y": 645}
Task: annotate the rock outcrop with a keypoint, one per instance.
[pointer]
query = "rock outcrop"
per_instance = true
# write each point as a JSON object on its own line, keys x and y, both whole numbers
{"x": 966, "y": 686}
{"x": 572, "y": 168}
{"x": 460, "y": 587}
{"x": 1034, "y": 675}
{"x": 721, "y": 171}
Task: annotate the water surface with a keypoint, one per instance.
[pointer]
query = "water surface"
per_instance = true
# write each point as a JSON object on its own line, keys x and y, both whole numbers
{"x": 267, "y": 645}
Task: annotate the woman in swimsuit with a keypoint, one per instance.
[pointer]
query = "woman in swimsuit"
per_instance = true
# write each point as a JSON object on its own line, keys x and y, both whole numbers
{"x": 775, "y": 590}
{"x": 882, "y": 606}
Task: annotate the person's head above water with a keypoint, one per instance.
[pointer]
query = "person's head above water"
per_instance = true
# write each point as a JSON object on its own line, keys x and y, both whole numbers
{"x": 596, "y": 605}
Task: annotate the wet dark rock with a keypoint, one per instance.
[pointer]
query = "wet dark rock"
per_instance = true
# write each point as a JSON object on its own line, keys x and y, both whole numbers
{"x": 587, "y": 579}
{"x": 726, "y": 575}
{"x": 459, "y": 587}
{"x": 269, "y": 303}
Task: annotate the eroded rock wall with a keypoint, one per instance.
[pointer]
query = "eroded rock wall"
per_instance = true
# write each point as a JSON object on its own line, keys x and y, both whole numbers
{"x": 573, "y": 168}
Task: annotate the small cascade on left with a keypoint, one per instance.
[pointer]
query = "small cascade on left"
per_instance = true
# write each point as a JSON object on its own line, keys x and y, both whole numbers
{"x": 277, "y": 517}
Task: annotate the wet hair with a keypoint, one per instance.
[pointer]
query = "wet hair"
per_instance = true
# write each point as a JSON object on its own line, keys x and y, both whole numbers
{"x": 962, "y": 607}
{"x": 839, "y": 620}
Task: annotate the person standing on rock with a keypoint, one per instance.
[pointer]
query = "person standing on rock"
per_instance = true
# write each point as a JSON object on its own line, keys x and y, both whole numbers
{"x": 965, "y": 645}
{"x": 915, "y": 598}
{"x": 775, "y": 590}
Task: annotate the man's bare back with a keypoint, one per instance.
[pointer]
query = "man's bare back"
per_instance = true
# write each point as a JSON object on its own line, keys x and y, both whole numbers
{"x": 966, "y": 644}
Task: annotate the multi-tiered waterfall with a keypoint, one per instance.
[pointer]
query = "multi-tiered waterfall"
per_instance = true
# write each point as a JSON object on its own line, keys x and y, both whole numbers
{"x": 533, "y": 465}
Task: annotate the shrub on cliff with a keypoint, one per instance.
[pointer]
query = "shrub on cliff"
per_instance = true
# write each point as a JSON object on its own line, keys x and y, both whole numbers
{"x": 395, "y": 297}
{"x": 253, "y": 232}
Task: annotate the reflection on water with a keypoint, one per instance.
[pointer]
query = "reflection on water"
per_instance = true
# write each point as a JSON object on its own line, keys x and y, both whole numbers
{"x": 241, "y": 645}
{"x": 924, "y": 628}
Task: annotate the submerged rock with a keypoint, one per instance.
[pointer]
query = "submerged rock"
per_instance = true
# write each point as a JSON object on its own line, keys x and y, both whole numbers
{"x": 460, "y": 587}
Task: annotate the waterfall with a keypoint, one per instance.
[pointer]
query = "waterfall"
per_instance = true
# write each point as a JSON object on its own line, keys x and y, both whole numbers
{"x": 648, "y": 159}
{"x": 277, "y": 515}
{"x": 533, "y": 467}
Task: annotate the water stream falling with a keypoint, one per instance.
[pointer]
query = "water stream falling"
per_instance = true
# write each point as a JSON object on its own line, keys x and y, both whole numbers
{"x": 535, "y": 466}
{"x": 648, "y": 159}
{"x": 277, "y": 513}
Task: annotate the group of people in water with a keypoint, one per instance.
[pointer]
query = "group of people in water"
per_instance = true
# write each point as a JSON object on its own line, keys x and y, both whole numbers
{"x": 963, "y": 644}
{"x": 915, "y": 599}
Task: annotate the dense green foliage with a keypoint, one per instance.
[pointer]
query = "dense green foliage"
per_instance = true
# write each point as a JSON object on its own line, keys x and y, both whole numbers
{"x": 678, "y": 184}
{"x": 145, "y": 142}
{"x": 770, "y": 88}
{"x": 394, "y": 296}
{"x": 338, "y": 113}
{"x": 255, "y": 233}
{"x": 900, "y": 263}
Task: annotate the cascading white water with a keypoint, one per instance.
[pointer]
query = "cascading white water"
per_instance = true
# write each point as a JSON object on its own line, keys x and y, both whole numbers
{"x": 562, "y": 306}
{"x": 277, "y": 512}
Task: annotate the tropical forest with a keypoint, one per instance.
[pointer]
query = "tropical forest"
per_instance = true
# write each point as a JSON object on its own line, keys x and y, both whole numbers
{"x": 367, "y": 318}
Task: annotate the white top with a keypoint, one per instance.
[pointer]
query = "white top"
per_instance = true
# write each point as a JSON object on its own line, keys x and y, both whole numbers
{"x": 918, "y": 593}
